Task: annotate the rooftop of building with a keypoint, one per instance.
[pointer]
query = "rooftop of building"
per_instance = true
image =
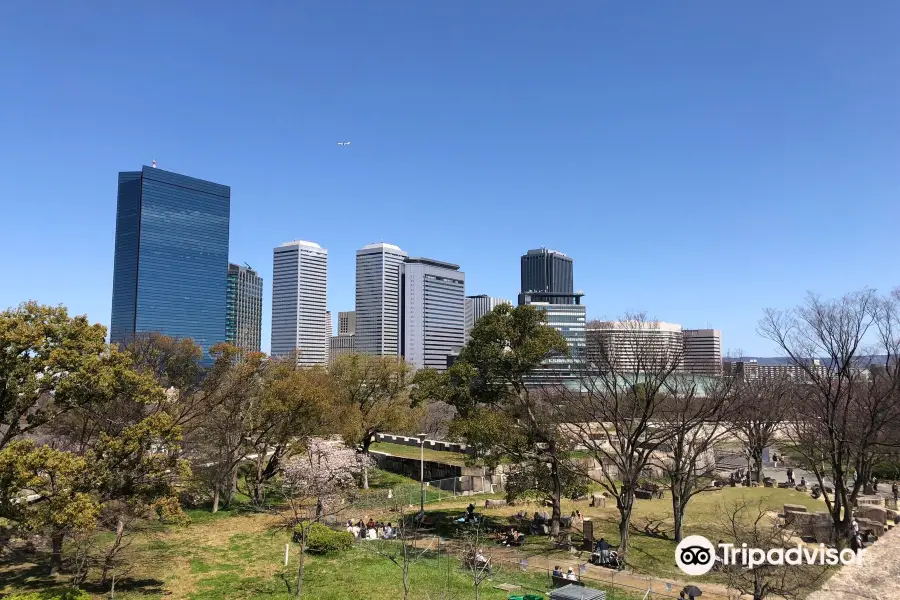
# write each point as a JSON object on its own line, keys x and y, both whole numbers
{"x": 432, "y": 262}
{"x": 545, "y": 251}
{"x": 303, "y": 243}
{"x": 634, "y": 326}
{"x": 381, "y": 246}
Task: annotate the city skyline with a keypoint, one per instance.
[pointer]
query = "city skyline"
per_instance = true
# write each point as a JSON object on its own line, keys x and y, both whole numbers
{"x": 654, "y": 147}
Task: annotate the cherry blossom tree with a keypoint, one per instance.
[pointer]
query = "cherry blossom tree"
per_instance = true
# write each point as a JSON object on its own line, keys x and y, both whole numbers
{"x": 320, "y": 482}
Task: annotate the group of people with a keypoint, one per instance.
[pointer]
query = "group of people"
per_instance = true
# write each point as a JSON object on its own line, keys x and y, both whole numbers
{"x": 371, "y": 530}
{"x": 511, "y": 538}
{"x": 570, "y": 574}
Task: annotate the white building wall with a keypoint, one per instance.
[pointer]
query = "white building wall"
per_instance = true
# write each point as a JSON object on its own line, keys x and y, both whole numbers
{"x": 299, "y": 290}
{"x": 477, "y": 307}
{"x": 433, "y": 313}
{"x": 378, "y": 299}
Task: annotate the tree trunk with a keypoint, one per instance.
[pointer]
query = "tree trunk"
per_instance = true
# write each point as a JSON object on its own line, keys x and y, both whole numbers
{"x": 365, "y": 476}
{"x": 757, "y": 463}
{"x": 677, "y": 510}
{"x": 56, "y": 541}
{"x": 300, "y": 568}
{"x": 555, "y": 494}
{"x": 215, "y": 506}
{"x": 111, "y": 554}
{"x": 624, "y": 503}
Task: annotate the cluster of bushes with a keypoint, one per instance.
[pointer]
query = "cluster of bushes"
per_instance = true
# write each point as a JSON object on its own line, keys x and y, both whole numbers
{"x": 887, "y": 470}
{"x": 323, "y": 540}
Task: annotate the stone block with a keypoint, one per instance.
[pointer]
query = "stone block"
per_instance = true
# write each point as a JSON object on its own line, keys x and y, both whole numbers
{"x": 824, "y": 533}
{"x": 870, "y": 501}
{"x": 869, "y": 526}
{"x": 494, "y": 503}
{"x": 791, "y": 510}
{"x": 873, "y": 513}
{"x": 642, "y": 495}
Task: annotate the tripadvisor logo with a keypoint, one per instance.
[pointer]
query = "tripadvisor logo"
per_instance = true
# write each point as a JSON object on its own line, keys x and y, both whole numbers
{"x": 695, "y": 555}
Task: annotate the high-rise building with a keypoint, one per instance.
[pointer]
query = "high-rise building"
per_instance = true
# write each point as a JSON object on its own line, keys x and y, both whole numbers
{"x": 547, "y": 276}
{"x": 478, "y": 306}
{"x": 635, "y": 346}
{"x": 703, "y": 352}
{"x": 432, "y": 319}
{"x": 299, "y": 283}
{"x": 329, "y": 325}
{"x": 751, "y": 370}
{"x": 243, "y": 308}
{"x": 341, "y": 344}
{"x": 171, "y": 257}
{"x": 569, "y": 320}
{"x": 378, "y": 299}
{"x": 346, "y": 322}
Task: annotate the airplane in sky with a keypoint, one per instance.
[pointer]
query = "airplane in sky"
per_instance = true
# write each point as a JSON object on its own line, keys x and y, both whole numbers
{"x": 343, "y": 143}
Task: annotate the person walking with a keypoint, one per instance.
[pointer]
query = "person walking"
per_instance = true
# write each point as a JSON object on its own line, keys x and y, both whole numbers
{"x": 895, "y": 491}
{"x": 790, "y": 475}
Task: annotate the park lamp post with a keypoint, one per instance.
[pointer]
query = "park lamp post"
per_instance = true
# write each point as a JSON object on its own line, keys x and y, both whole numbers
{"x": 422, "y": 437}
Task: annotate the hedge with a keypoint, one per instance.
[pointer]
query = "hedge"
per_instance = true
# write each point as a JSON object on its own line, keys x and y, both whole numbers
{"x": 324, "y": 540}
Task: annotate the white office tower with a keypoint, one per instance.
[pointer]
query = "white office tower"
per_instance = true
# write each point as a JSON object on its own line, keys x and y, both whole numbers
{"x": 299, "y": 325}
{"x": 432, "y": 312}
{"x": 703, "y": 352}
{"x": 478, "y": 306}
{"x": 378, "y": 299}
{"x": 635, "y": 346}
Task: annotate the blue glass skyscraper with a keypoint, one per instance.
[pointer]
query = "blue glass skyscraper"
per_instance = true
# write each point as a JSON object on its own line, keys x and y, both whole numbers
{"x": 171, "y": 262}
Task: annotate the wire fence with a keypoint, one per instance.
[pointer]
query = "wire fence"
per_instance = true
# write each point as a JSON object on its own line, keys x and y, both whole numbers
{"x": 532, "y": 573}
{"x": 411, "y": 493}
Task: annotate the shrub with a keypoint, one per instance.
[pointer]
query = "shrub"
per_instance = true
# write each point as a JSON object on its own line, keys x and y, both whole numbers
{"x": 887, "y": 470}
{"x": 324, "y": 540}
{"x": 54, "y": 594}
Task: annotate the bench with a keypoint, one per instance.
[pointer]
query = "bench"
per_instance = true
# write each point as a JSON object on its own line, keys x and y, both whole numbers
{"x": 559, "y": 582}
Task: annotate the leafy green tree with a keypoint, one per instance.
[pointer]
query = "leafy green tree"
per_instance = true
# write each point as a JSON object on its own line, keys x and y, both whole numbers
{"x": 50, "y": 364}
{"x": 498, "y": 413}
{"x": 42, "y": 490}
{"x": 373, "y": 394}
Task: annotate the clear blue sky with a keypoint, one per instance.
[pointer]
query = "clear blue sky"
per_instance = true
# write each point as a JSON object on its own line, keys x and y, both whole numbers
{"x": 700, "y": 160}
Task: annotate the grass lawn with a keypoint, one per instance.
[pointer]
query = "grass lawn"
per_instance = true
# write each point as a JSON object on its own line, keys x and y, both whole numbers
{"x": 240, "y": 554}
{"x": 447, "y": 458}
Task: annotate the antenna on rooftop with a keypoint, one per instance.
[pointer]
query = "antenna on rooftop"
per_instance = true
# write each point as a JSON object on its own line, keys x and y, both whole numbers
{"x": 153, "y": 164}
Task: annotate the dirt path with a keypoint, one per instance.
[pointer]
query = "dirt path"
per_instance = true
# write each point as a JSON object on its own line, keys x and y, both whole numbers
{"x": 874, "y": 579}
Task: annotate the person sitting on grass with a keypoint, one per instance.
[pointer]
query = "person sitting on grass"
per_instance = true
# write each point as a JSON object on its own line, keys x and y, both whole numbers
{"x": 557, "y": 572}
{"x": 570, "y": 575}
{"x": 388, "y": 532}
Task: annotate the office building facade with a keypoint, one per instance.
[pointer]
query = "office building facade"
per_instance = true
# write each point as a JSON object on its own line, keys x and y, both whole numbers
{"x": 378, "y": 299}
{"x": 547, "y": 276}
{"x": 299, "y": 290}
{"x": 346, "y": 322}
{"x": 703, "y": 352}
{"x": 243, "y": 308}
{"x": 432, "y": 312}
{"x": 570, "y": 321}
{"x": 635, "y": 346}
{"x": 341, "y": 344}
{"x": 171, "y": 257}
{"x": 477, "y": 307}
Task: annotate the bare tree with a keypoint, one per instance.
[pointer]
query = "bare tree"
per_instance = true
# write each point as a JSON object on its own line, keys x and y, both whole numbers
{"x": 406, "y": 548}
{"x": 745, "y": 523}
{"x": 695, "y": 414}
{"x": 318, "y": 483}
{"x": 476, "y": 562}
{"x": 615, "y": 414}
{"x": 844, "y": 408}
{"x": 760, "y": 411}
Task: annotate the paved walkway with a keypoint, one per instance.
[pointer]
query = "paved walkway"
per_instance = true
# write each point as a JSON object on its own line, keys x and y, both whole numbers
{"x": 874, "y": 579}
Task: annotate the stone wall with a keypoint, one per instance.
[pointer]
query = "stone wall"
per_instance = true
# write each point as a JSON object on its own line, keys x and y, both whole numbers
{"x": 438, "y": 445}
